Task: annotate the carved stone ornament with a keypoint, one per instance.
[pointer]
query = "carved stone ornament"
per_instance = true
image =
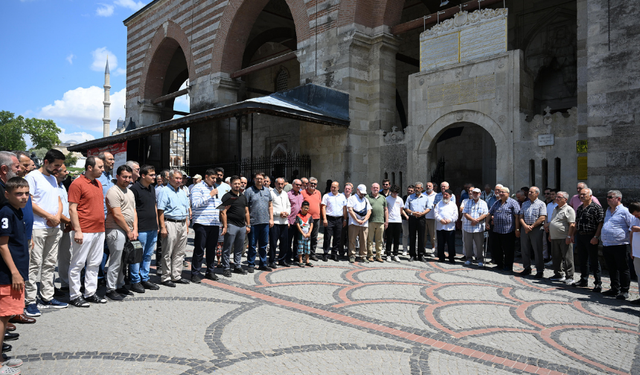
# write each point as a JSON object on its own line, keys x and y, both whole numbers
{"x": 463, "y": 19}
{"x": 459, "y": 116}
{"x": 394, "y": 136}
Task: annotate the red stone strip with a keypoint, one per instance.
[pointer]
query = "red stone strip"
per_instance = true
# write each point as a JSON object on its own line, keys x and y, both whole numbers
{"x": 545, "y": 334}
{"x": 578, "y": 305}
{"x": 380, "y": 328}
{"x": 530, "y": 285}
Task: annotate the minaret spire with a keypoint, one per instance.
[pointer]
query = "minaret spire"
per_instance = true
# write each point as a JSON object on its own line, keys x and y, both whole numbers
{"x": 106, "y": 120}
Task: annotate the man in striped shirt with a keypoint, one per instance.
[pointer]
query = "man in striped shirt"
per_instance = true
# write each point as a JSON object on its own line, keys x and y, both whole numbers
{"x": 206, "y": 225}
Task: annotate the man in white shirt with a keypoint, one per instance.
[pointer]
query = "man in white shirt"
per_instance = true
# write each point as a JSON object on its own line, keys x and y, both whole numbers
{"x": 47, "y": 208}
{"x": 280, "y": 229}
{"x": 446, "y": 214}
{"x": 333, "y": 210}
{"x": 359, "y": 211}
{"x": 395, "y": 205}
{"x": 430, "y": 219}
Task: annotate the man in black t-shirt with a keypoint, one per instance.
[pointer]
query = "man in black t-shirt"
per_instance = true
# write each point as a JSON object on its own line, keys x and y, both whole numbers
{"x": 234, "y": 216}
{"x": 147, "y": 226}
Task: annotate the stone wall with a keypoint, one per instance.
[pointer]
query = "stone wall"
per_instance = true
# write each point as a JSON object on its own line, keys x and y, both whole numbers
{"x": 613, "y": 97}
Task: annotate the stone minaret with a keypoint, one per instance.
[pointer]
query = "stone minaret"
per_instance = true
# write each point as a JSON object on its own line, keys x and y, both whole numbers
{"x": 106, "y": 120}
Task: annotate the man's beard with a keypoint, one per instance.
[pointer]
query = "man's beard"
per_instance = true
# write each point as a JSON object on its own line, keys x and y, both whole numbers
{"x": 446, "y": 200}
{"x": 11, "y": 174}
{"x": 429, "y": 191}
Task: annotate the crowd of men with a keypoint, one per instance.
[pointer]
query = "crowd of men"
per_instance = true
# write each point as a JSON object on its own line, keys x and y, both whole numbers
{"x": 65, "y": 228}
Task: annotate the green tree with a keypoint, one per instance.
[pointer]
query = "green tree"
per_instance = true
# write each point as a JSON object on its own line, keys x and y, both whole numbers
{"x": 11, "y": 129}
{"x": 43, "y": 133}
{"x": 70, "y": 160}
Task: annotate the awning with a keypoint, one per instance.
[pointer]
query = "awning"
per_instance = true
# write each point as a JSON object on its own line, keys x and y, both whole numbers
{"x": 310, "y": 103}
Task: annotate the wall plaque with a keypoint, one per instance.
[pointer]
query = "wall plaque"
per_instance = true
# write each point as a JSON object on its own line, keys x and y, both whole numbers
{"x": 546, "y": 140}
{"x": 464, "y": 37}
{"x": 583, "y": 171}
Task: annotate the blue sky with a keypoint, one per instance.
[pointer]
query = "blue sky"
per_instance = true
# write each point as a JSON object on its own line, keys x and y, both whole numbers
{"x": 53, "y": 58}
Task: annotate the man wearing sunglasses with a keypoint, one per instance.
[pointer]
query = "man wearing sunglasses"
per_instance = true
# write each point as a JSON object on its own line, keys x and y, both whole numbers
{"x": 615, "y": 238}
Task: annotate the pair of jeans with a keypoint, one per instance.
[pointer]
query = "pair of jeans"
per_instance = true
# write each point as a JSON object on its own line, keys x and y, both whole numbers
{"x": 259, "y": 235}
{"x": 278, "y": 232}
{"x": 140, "y": 271}
{"x": 206, "y": 238}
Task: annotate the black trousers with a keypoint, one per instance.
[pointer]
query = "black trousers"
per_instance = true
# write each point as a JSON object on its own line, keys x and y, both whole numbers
{"x": 206, "y": 238}
{"x": 333, "y": 230}
{"x": 588, "y": 257}
{"x": 344, "y": 241}
{"x": 278, "y": 232}
{"x": 416, "y": 226}
{"x": 619, "y": 274}
{"x": 393, "y": 237}
{"x": 448, "y": 238}
{"x": 502, "y": 250}
{"x": 314, "y": 236}
{"x": 292, "y": 243}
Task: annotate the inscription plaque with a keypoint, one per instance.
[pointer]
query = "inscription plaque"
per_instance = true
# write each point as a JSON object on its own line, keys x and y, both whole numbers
{"x": 485, "y": 39}
{"x": 546, "y": 140}
{"x": 462, "y": 92}
{"x": 465, "y": 37}
{"x": 439, "y": 51}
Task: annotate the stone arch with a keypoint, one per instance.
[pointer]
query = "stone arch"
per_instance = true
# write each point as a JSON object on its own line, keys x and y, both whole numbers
{"x": 236, "y": 24}
{"x": 503, "y": 142}
{"x": 167, "y": 39}
{"x": 279, "y": 151}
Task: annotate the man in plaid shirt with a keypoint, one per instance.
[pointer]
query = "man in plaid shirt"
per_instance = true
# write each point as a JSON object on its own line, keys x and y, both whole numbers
{"x": 589, "y": 220}
{"x": 503, "y": 220}
{"x": 532, "y": 217}
{"x": 475, "y": 211}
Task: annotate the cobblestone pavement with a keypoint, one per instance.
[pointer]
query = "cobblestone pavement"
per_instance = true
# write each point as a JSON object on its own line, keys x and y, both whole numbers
{"x": 342, "y": 318}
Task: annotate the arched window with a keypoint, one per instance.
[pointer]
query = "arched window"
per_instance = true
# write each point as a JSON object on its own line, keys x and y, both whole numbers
{"x": 282, "y": 79}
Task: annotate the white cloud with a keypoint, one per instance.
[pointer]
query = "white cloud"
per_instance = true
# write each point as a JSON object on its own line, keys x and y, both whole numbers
{"x": 70, "y": 58}
{"x": 83, "y": 107}
{"x": 104, "y": 10}
{"x": 119, "y": 72}
{"x": 131, "y": 4}
{"x": 100, "y": 59}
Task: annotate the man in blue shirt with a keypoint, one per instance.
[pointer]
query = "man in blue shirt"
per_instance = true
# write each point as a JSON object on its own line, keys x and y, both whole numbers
{"x": 416, "y": 208}
{"x": 205, "y": 199}
{"x": 615, "y": 238}
{"x": 173, "y": 216}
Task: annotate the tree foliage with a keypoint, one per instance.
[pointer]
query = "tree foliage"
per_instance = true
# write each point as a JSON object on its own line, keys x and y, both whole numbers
{"x": 11, "y": 132}
{"x": 43, "y": 133}
{"x": 70, "y": 160}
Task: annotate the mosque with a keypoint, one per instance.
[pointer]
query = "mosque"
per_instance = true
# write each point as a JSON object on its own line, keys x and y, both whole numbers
{"x": 537, "y": 92}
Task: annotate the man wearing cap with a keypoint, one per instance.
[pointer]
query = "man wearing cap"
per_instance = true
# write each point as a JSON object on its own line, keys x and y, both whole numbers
{"x": 196, "y": 180}
{"x": 475, "y": 211}
{"x": 359, "y": 210}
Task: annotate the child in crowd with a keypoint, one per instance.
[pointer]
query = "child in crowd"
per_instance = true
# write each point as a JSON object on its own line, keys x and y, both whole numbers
{"x": 14, "y": 259}
{"x": 305, "y": 226}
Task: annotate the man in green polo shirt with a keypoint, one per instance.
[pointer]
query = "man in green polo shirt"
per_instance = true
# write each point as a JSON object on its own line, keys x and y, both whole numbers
{"x": 378, "y": 222}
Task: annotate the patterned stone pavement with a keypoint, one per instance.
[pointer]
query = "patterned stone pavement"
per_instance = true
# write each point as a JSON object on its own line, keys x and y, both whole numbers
{"x": 339, "y": 318}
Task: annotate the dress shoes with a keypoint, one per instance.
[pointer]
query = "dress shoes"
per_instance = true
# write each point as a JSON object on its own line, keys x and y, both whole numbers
{"x": 114, "y": 296}
{"x": 284, "y": 264}
{"x": 11, "y": 327}
{"x": 226, "y": 273}
{"x": 273, "y": 265}
{"x": 335, "y": 258}
{"x": 169, "y": 283}
{"x": 10, "y": 336}
{"x": 124, "y": 291}
{"x": 196, "y": 279}
{"x": 137, "y": 287}
{"x": 149, "y": 285}
{"x": 539, "y": 275}
{"x": 181, "y": 281}
{"x": 22, "y": 319}
{"x": 211, "y": 276}
{"x": 265, "y": 268}
{"x": 240, "y": 271}
{"x": 6, "y": 348}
